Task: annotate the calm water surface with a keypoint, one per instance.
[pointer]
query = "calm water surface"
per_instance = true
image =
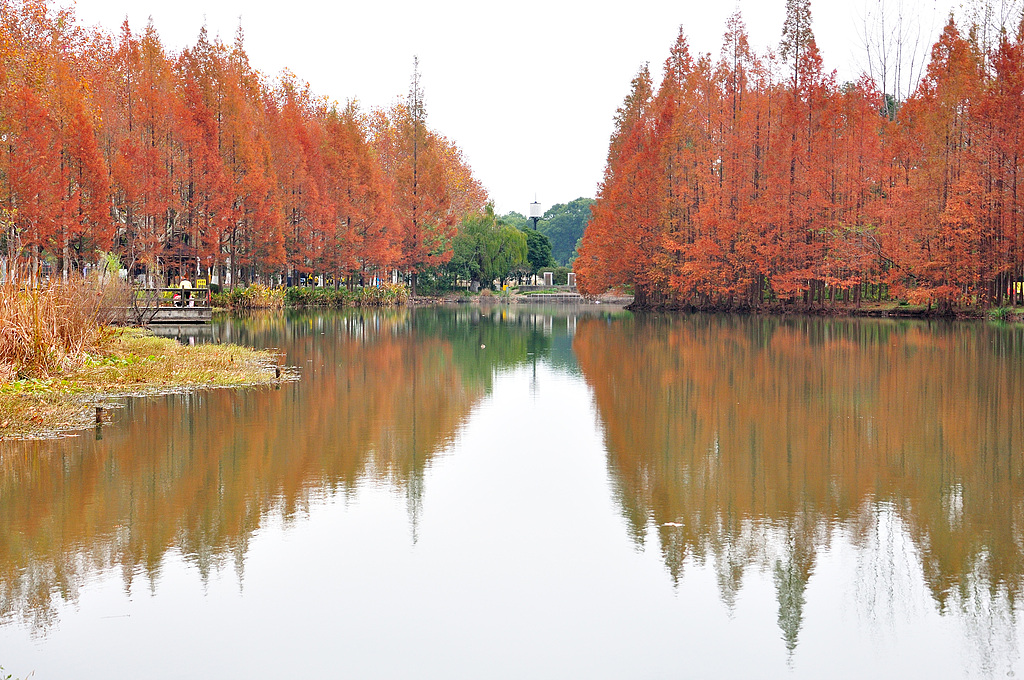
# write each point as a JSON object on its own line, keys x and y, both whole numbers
{"x": 539, "y": 493}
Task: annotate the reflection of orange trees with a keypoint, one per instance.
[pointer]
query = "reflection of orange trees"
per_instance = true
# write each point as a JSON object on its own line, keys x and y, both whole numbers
{"x": 758, "y": 437}
{"x": 199, "y": 473}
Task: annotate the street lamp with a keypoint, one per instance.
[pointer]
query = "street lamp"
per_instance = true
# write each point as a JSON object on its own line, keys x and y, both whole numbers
{"x": 535, "y": 212}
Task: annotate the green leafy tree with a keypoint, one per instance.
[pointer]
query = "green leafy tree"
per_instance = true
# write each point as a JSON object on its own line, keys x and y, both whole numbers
{"x": 508, "y": 251}
{"x": 538, "y": 247}
{"x": 538, "y": 244}
{"x": 486, "y": 249}
{"x": 517, "y": 220}
{"x": 464, "y": 265}
{"x": 564, "y": 224}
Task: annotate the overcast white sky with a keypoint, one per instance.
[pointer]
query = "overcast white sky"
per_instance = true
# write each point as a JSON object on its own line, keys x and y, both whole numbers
{"x": 527, "y": 89}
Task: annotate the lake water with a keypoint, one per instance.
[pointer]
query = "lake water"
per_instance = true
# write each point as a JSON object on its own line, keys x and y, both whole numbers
{"x": 524, "y": 492}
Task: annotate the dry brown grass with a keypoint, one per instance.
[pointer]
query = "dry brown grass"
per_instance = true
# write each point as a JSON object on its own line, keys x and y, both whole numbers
{"x": 125, "y": 362}
{"x": 47, "y": 327}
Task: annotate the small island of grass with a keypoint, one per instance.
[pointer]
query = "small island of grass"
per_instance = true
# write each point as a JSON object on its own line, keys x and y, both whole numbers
{"x": 60, "y": 358}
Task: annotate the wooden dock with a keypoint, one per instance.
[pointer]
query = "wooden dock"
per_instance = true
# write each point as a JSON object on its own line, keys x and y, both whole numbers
{"x": 182, "y": 315}
{"x": 171, "y": 306}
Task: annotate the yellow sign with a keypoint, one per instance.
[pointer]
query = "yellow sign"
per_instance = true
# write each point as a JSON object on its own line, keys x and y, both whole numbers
{"x": 200, "y": 283}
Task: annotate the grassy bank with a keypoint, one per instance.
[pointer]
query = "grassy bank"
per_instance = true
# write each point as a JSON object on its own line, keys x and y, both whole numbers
{"x": 124, "y": 362}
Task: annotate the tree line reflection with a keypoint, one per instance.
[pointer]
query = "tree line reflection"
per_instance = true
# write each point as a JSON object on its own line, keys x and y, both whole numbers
{"x": 382, "y": 393}
{"x": 748, "y": 442}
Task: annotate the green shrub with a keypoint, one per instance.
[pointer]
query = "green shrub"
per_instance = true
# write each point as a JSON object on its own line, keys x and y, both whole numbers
{"x": 298, "y": 297}
{"x": 999, "y": 313}
{"x": 318, "y": 297}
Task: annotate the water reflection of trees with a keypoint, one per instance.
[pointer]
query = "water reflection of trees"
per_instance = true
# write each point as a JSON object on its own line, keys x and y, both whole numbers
{"x": 748, "y": 442}
{"x": 381, "y": 394}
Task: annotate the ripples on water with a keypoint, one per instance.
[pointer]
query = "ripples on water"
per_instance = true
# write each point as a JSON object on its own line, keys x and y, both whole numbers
{"x": 848, "y": 491}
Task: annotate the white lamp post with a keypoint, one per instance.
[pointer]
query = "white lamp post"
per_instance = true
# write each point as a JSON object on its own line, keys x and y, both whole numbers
{"x": 535, "y": 212}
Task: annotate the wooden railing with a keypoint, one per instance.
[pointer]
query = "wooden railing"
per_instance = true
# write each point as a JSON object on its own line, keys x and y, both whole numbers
{"x": 149, "y": 298}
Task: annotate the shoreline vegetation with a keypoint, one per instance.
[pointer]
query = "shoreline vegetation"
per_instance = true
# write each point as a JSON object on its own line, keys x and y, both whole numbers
{"x": 62, "y": 356}
{"x": 873, "y": 309}
{"x": 259, "y": 297}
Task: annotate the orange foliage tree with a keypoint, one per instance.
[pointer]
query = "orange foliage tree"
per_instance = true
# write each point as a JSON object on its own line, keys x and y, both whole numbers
{"x": 195, "y": 164}
{"x": 431, "y": 185}
{"x": 759, "y": 178}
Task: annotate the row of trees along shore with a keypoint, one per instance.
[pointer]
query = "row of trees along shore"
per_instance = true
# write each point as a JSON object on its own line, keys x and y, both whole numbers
{"x": 760, "y": 178}
{"x": 195, "y": 163}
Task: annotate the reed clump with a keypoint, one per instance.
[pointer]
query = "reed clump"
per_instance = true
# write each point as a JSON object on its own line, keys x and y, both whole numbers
{"x": 256, "y": 296}
{"x": 48, "y": 326}
{"x": 384, "y": 295}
